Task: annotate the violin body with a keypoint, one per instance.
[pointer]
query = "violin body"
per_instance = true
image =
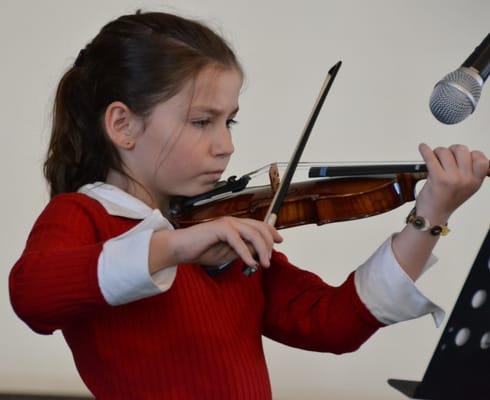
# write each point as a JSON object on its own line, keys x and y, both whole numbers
{"x": 318, "y": 201}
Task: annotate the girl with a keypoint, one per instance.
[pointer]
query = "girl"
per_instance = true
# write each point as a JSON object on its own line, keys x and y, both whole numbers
{"x": 143, "y": 115}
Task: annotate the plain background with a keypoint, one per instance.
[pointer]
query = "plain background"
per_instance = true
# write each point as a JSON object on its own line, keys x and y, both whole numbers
{"x": 393, "y": 54}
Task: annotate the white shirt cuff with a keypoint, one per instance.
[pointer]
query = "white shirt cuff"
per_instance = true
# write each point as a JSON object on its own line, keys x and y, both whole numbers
{"x": 389, "y": 293}
{"x": 123, "y": 270}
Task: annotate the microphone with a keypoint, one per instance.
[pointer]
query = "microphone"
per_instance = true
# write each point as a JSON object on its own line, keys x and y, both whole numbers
{"x": 456, "y": 95}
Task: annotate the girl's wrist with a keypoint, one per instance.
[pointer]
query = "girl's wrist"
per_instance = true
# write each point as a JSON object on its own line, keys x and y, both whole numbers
{"x": 161, "y": 254}
{"x": 434, "y": 223}
{"x": 436, "y": 216}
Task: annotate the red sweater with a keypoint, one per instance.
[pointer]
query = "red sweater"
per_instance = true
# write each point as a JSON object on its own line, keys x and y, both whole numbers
{"x": 201, "y": 339}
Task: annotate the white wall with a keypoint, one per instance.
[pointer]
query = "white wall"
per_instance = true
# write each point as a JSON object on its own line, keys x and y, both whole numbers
{"x": 393, "y": 54}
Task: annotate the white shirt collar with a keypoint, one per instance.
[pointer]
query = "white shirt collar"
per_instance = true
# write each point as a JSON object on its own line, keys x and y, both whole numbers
{"x": 116, "y": 201}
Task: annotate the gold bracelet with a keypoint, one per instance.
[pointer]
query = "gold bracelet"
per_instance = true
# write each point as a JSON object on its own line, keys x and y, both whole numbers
{"x": 423, "y": 224}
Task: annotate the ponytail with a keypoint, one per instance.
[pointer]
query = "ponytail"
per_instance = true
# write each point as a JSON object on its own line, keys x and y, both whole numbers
{"x": 78, "y": 152}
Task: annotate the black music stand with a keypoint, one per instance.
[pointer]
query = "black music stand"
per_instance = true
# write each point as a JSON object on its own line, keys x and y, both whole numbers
{"x": 460, "y": 366}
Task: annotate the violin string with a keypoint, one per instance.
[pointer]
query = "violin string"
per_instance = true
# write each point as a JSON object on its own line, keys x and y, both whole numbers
{"x": 309, "y": 164}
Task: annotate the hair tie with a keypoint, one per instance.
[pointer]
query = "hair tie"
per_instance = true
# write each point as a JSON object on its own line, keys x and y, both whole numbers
{"x": 80, "y": 57}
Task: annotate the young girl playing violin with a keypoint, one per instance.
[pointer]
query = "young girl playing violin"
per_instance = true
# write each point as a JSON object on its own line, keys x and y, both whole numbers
{"x": 143, "y": 115}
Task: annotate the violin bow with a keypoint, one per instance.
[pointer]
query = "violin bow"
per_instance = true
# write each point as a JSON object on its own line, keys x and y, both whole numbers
{"x": 273, "y": 211}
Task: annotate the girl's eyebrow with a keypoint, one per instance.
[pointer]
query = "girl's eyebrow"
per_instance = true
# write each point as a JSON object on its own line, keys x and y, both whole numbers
{"x": 212, "y": 110}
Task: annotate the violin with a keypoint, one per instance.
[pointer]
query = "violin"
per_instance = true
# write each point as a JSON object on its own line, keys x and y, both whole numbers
{"x": 349, "y": 192}
{"x": 359, "y": 192}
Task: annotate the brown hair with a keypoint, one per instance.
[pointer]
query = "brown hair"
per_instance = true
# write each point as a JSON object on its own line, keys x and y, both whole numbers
{"x": 140, "y": 60}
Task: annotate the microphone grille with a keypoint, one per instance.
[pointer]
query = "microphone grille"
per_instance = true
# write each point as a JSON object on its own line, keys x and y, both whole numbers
{"x": 455, "y": 96}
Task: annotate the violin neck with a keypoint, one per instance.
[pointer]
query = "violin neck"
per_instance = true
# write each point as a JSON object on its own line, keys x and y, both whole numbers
{"x": 370, "y": 169}
{"x": 363, "y": 170}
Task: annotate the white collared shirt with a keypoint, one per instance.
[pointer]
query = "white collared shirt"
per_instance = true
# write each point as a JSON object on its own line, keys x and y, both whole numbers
{"x": 123, "y": 270}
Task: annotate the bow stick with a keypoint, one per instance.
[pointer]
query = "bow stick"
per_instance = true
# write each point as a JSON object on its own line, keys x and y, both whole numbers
{"x": 273, "y": 211}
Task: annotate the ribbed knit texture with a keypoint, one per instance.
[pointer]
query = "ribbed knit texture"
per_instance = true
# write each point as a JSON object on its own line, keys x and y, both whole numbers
{"x": 199, "y": 340}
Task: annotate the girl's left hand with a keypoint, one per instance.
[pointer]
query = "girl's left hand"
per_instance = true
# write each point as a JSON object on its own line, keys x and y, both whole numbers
{"x": 454, "y": 175}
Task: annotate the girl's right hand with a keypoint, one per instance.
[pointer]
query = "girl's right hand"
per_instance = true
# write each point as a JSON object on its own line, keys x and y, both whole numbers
{"x": 215, "y": 243}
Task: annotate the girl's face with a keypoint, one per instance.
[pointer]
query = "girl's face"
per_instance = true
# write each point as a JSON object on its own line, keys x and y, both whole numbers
{"x": 185, "y": 143}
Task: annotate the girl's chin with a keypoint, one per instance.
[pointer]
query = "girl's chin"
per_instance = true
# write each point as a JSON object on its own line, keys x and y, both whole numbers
{"x": 209, "y": 186}
{"x": 198, "y": 189}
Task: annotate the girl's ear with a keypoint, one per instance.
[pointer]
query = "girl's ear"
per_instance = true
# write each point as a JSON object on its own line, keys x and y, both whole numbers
{"x": 121, "y": 125}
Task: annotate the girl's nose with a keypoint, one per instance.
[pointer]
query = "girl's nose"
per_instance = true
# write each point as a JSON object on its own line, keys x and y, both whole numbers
{"x": 223, "y": 144}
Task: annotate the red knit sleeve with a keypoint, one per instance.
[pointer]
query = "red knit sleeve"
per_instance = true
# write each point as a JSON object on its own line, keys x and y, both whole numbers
{"x": 303, "y": 311}
{"x": 55, "y": 279}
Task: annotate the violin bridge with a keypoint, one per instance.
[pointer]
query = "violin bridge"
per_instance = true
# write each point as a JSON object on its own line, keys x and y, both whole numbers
{"x": 274, "y": 177}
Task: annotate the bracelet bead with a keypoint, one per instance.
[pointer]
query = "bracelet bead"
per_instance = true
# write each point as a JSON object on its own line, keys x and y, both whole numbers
{"x": 423, "y": 224}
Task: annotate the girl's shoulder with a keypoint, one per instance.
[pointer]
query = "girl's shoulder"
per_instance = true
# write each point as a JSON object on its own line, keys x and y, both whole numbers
{"x": 76, "y": 200}
{"x": 73, "y": 208}
{"x": 78, "y": 214}
{"x": 104, "y": 206}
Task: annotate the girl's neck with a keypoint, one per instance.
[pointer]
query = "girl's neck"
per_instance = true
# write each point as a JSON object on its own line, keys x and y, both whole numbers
{"x": 117, "y": 179}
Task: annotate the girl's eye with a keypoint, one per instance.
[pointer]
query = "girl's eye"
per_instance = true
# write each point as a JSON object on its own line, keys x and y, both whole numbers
{"x": 231, "y": 122}
{"x": 201, "y": 123}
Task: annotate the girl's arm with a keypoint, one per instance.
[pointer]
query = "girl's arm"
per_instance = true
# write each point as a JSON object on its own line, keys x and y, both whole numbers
{"x": 303, "y": 311}
{"x": 55, "y": 279}
{"x": 75, "y": 261}
{"x": 454, "y": 175}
